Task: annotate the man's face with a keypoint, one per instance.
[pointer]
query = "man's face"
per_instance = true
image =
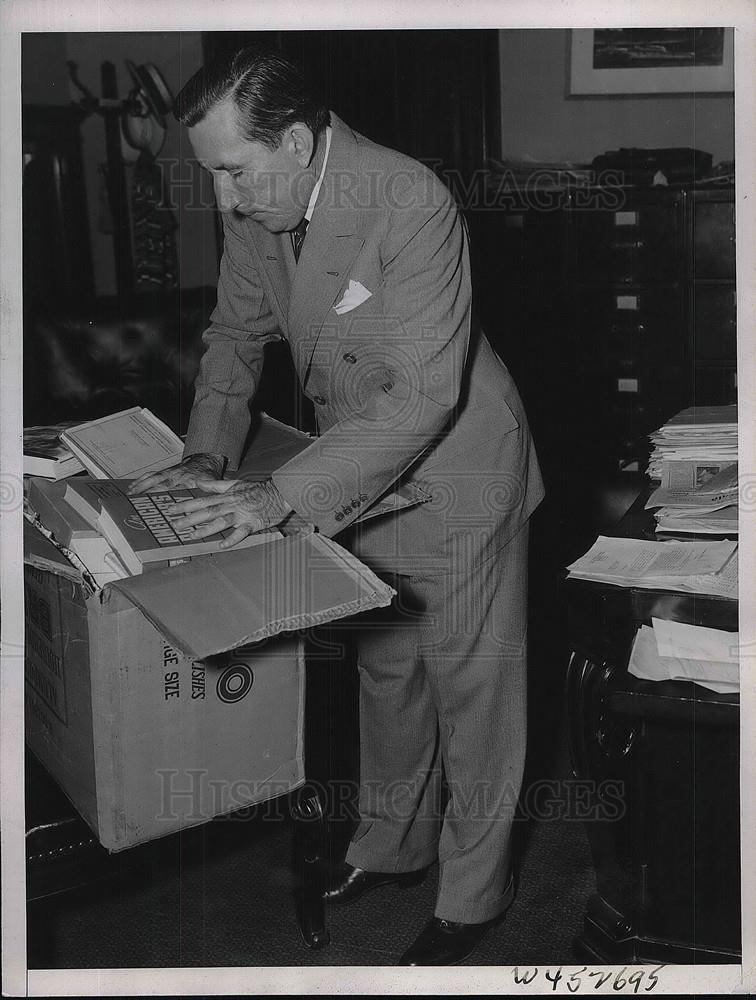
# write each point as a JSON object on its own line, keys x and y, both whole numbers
{"x": 271, "y": 187}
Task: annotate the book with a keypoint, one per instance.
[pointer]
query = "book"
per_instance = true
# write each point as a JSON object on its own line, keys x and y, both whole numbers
{"x": 100, "y": 559}
{"x": 271, "y": 445}
{"x": 141, "y": 529}
{"x": 45, "y": 454}
{"x": 85, "y": 494}
{"x": 124, "y": 445}
{"x": 48, "y": 499}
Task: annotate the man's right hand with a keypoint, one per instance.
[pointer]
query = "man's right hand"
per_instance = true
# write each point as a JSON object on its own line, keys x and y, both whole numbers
{"x": 193, "y": 471}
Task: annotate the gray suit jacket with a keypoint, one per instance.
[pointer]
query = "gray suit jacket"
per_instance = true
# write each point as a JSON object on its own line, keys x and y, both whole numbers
{"x": 405, "y": 386}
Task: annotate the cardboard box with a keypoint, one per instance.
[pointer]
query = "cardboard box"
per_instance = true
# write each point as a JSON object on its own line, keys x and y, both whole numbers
{"x": 165, "y": 699}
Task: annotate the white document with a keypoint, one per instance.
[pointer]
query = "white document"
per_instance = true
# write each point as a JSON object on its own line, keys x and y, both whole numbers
{"x": 647, "y": 664}
{"x": 721, "y": 584}
{"x": 729, "y": 511}
{"x": 695, "y": 642}
{"x": 630, "y": 560}
{"x": 723, "y": 521}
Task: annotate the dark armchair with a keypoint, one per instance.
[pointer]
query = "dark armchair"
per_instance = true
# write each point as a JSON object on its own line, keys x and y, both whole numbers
{"x": 102, "y": 358}
{"x": 106, "y": 356}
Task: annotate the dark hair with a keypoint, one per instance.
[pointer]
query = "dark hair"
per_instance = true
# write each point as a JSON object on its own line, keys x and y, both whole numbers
{"x": 268, "y": 91}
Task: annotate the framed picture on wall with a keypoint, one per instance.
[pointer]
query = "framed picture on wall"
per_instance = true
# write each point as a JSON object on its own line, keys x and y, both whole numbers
{"x": 607, "y": 61}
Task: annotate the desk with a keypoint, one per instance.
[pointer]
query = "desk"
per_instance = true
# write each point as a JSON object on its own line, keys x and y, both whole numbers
{"x": 662, "y": 760}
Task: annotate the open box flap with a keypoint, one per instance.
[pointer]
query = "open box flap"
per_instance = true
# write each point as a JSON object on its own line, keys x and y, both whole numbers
{"x": 218, "y": 602}
{"x": 271, "y": 445}
{"x": 40, "y": 553}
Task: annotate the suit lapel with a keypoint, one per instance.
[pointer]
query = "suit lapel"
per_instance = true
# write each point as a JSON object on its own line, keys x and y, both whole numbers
{"x": 269, "y": 250}
{"x": 334, "y": 238}
{"x": 319, "y": 280}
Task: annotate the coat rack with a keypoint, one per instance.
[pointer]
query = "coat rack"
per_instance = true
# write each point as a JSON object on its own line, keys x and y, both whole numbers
{"x": 133, "y": 119}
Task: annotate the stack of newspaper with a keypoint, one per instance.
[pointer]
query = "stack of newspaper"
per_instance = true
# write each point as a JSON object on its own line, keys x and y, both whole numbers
{"x": 695, "y": 459}
{"x": 690, "y": 567}
{"x": 707, "y": 435}
{"x": 673, "y": 651}
{"x": 695, "y": 499}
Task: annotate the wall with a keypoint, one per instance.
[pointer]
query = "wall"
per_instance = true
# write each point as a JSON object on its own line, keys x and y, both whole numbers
{"x": 539, "y": 122}
{"x": 177, "y": 55}
{"x": 44, "y": 76}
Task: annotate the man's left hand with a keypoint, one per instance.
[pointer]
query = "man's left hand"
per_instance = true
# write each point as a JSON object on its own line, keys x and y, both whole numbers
{"x": 245, "y": 507}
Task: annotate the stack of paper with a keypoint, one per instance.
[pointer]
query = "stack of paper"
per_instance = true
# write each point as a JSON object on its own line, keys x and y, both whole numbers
{"x": 672, "y": 651}
{"x": 704, "y": 434}
{"x": 692, "y": 500}
{"x": 690, "y": 567}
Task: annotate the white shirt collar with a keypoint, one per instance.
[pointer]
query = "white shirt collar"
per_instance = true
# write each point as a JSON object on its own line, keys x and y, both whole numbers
{"x": 319, "y": 181}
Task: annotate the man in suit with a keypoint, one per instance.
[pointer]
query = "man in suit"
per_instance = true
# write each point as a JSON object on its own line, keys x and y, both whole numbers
{"x": 375, "y": 303}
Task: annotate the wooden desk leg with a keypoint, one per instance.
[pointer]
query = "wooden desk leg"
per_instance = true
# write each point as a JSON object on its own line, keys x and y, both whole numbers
{"x": 309, "y": 831}
{"x": 601, "y": 750}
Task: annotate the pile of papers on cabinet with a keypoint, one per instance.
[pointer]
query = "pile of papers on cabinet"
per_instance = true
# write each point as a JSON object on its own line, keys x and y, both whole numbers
{"x": 698, "y": 434}
{"x": 694, "y": 458}
{"x": 691, "y": 500}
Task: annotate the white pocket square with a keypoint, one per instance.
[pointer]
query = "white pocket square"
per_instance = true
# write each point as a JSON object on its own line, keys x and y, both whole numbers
{"x": 353, "y": 296}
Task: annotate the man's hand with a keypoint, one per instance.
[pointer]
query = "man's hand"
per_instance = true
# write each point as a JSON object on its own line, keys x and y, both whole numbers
{"x": 247, "y": 507}
{"x": 195, "y": 471}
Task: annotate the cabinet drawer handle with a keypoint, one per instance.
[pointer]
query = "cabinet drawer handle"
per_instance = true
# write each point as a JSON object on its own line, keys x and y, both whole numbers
{"x": 616, "y": 328}
{"x": 627, "y": 245}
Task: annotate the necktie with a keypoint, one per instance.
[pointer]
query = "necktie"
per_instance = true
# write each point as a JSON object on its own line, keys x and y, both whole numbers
{"x": 297, "y": 238}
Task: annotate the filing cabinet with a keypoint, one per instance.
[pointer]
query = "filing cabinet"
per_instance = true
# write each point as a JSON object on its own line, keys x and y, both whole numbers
{"x": 711, "y": 305}
{"x": 712, "y": 236}
{"x": 614, "y": 308}
{"x": 637, "y": 242}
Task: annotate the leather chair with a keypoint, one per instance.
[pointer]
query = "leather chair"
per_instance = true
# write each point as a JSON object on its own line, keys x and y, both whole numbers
{"x": 108, "y": 356}
{"x": 105, "y": 357}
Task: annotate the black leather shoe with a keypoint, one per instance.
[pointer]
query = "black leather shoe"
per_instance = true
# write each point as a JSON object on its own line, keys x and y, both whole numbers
{"x": 347, "y": 883}
{"x": 446, "y": 942}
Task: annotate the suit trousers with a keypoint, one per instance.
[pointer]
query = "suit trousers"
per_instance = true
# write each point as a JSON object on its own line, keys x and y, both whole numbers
{"x": 443, "y": 730}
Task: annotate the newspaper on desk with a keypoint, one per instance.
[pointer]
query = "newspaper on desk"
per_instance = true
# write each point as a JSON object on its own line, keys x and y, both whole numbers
{"x": 705, "y": 486}
{"x": 690, "y": 567}
{"x": 697, "y": 497}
